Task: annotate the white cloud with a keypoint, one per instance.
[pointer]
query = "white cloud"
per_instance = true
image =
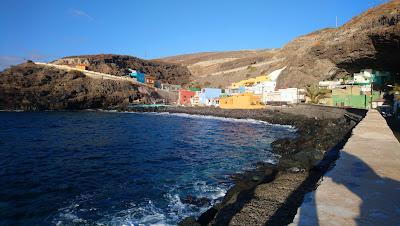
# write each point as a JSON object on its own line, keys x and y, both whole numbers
{"x": 80, "y": 13}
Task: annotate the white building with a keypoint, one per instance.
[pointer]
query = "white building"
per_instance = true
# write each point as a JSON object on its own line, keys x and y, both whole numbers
{"x": 289, "y": 96}
{"x": 195, "y": 100}
{"x": 329, "y": 84}
{"x": 213, "y": 102}
{"x": 364, "y": 77}
{"x": 264, "y": 87}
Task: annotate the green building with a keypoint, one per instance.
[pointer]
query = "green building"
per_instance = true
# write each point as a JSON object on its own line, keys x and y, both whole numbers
{"x": 352, "y": 96}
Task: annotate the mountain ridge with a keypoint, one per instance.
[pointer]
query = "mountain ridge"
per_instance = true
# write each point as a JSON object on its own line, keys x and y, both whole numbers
{"x": 369, "y": 40}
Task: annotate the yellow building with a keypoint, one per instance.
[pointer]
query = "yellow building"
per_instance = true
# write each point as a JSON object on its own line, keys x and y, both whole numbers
{"x": 250, "y": 81}
{"x": 241, "y": 101}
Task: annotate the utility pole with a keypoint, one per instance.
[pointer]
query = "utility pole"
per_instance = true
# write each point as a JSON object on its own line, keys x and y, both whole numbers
{"x": 336, "y": 22}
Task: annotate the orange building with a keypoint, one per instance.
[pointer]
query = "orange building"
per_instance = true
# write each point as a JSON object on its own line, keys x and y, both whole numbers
{"x": 81, "y": 67}
{"x": 185, "y": 97}
{"x": 150, "y": 80}
{"x": 241, "y": 101}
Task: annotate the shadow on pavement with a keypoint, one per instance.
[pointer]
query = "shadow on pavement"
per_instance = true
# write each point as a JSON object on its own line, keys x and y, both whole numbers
{"x": 380, "y": 200}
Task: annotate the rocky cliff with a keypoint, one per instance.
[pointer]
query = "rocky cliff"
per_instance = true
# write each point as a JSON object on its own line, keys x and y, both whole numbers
{"x": 119, "y": 65}
{"x": 370, "y": 40}
{"x": 33, "y": 87}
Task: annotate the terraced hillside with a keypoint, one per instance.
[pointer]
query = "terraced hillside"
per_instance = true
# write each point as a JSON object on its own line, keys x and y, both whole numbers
{"x": 370, "y": 40}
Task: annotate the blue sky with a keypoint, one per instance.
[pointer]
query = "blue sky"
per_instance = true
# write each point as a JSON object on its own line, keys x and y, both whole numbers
{"x": 46, "y": 30}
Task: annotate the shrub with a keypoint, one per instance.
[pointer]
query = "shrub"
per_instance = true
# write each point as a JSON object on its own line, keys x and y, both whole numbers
{"x": 76, "y": 74}
{"x": 315, "y": 93}
{"x": 251, "y": 68}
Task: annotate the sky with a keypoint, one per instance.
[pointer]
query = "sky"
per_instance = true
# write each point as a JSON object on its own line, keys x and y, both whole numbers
{"x": 50, "y": 29}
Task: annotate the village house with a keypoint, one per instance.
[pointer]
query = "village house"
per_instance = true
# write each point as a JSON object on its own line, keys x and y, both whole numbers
{"x": 213, "y": 102}
{"x": 137, "y": 75}
{"x": 359, "y": 92}
{"x": 195, "y": 100}
{"x": 241, "y": 101}
{"x": 330, "y": 84}
{"x": 185, "y": 97}
{"x": 264, "y": 87}
{"x": 353, "y": 96}
{"x": 150, "y": 80}
{"x": 249, "y": 82}
{"x": 206, "y": 94}
{"x": 81, "y": 67}
{"x": 284, "y": 96}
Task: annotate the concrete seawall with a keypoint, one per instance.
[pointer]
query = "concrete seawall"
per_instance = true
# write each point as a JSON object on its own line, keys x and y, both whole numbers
{"x": 364, "y": 186}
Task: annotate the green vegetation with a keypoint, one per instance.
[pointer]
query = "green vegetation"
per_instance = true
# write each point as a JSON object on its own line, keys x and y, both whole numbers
{"x": 315, "y": 93}
{"x": 76, "y": 74}
{"x": 251, "y": 68}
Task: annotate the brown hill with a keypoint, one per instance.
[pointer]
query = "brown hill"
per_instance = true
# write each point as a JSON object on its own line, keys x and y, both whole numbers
{"x": 370, "y": 40}
{"x": 119, "y": 64}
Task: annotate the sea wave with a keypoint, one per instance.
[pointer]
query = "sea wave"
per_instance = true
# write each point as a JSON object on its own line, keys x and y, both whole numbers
{"x": 146, "y": 212}
{"x": 210, "y": 117}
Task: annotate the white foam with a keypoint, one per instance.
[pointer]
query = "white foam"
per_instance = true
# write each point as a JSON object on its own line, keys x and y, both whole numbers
{"x": 246, "y": 120}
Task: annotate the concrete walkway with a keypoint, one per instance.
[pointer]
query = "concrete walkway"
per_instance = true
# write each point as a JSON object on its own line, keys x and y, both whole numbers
{"x": 364, "y": 186}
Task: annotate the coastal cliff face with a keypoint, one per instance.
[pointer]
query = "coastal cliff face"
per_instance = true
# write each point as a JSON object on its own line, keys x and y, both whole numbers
{"x": 33, "y": 87}
{"x": 370, "y": 40}
{"x": 119, "y": 65}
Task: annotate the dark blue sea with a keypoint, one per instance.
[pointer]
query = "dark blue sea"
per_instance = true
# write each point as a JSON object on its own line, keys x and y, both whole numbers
{"x": 105, "y": 168}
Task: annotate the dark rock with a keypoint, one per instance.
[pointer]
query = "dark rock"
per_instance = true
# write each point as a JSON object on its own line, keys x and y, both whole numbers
{"x": 207, "y": 216}
{"x": 189, "y": 221}
{"x": 33, "y": 87}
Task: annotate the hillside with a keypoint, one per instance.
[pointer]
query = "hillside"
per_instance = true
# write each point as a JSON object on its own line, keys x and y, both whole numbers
{"x": 33, "y": 87}
{"x": 223, "y": 68}
{"x": 119, "y": 64}
{"x": 370, "y": 40}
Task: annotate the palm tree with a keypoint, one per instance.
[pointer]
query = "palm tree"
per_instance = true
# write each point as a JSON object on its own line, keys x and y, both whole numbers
{"x": 315, "y": 93}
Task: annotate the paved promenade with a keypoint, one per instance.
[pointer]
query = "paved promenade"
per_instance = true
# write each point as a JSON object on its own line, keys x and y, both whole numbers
{"x": 364, "y": 186}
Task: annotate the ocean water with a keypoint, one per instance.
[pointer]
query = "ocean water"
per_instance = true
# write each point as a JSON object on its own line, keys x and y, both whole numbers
{"x": 103, "y": 168}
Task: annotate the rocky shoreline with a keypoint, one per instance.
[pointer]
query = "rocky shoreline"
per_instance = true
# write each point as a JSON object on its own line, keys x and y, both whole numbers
{"x": 271, "y": 194}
